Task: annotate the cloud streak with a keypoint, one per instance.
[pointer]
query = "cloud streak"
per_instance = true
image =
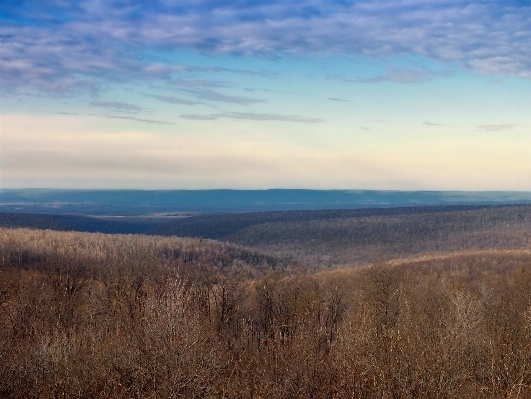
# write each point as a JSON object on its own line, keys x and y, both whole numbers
{"x": 139, "y": 120}
{"x": 175, "y": 100}
{"x": 433, "y": 124}
{"x": 495, "y": 128}
{"x": 253, "y": 117}
{"x": 403, "y": 75}
{"x": 200, "y": 83}
{"x": 117, "y": 105}
{"x": 340, "y": 100}
{"x": 211, "y": 95}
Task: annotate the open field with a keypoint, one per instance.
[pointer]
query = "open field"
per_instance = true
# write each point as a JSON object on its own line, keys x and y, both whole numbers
{"x": 93, "y": 315}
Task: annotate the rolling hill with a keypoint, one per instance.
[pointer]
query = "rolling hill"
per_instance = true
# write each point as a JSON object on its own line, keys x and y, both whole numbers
{"x": 347, "y": 237}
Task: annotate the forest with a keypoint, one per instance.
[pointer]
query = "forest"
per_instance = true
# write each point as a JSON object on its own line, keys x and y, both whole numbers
{"x": 92, "y": 315}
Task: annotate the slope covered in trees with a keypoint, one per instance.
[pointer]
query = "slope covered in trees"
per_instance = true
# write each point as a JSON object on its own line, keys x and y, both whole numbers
{"x": 116, "y": 225}
{"x": 347, "y": 237}
{"x": 219, "y": 226}
{"x": 92, "y": 315}
{"x": 325, "y": 237}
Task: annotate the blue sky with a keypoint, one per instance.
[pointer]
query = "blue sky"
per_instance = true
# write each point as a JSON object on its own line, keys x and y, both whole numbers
{"x": 395, "y": 94}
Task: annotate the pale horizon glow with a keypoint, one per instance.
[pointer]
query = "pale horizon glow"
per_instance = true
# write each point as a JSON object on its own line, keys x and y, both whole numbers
{"x": 384, "y": 95}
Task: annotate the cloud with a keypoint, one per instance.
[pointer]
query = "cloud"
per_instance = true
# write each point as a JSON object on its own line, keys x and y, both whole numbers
{"x": 271, "y": 117}
{"x": 252, "y": 90}
{"x": 200, "y": 83}
{"x": 403, "y": 75}
{"x": 433, "y": 124}
{"x": 175, "y": 100}
{"x": 211, "y": 95}
{"x": 495, "y": 128}
{"x": 139, "y": 120}
{"x": 340, "y": 100}
{"x": 193, "y": 117}
{"x": 119, "y": 117}
{"x": 254, "y": 117}
{"x": 237, "y": 71}
{"x": 117, "y": 105}
{"x": 61, "y": 47}
{"x": 167, "y": 71}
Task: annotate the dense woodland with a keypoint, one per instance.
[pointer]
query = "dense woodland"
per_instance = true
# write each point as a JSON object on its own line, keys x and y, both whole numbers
{"x": 366, "y": 239}
{"x": 76, "y": 222}
{"x": 324, "y": 238}
{"x": 220, "y": 226}
{"x": 131, "y": 316}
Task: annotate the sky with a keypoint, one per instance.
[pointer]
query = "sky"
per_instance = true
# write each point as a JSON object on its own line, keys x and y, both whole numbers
{"x": 205, "y": 94}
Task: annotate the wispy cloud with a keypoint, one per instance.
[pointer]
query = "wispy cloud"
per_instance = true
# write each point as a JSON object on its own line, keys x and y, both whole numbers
{"x": 495, "y": 128}
{"x": 66, "y": 46}
{"x": 117, "y": 105}
{"x": 167, "y": 71}
{"x": 139, "y": 120}
{"x": 340, "y": 100}
{"x": 211, "y": 95}
{"x": 254, "y": 117}
{"x": 200, "y": 83}
{"x": 175, "y": 100}
{"x": 433, "y": 124}
{"x": 194, "y": 117}
{"x": 236, "y": 71}
{"x": 403, "y": 75}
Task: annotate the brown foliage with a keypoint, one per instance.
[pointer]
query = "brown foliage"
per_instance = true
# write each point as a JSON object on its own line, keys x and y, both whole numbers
{"x": 144, "y": 317}
{"x": 363, "y": 240}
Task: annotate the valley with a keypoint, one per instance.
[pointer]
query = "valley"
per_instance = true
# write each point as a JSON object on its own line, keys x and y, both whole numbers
{"x": 415, "y": 302}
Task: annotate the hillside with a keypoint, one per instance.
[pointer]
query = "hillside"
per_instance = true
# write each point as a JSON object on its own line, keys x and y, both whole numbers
{"x": 218, "y": 226}
{"x": 346, "y": 237}
{"x": 119, "y": 316}
{"x": 122, "y": 225}
{"x": 99, "y": 253}
{"x": 324, "y": 237}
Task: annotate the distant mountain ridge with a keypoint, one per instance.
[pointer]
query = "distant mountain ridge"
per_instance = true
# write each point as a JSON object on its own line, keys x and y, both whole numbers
{"x": 131, "y": 202}
{"x": 328, "y": 238}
